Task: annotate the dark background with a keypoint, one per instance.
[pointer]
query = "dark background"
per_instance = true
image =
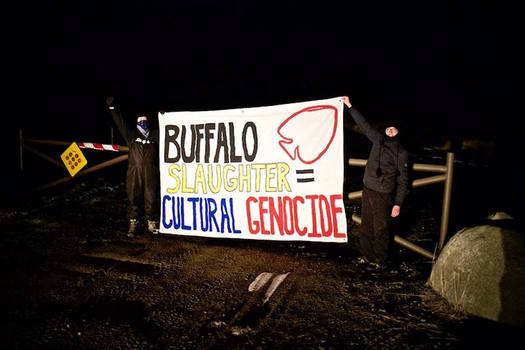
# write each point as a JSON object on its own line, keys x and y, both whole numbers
{"x": 447, "y": 70}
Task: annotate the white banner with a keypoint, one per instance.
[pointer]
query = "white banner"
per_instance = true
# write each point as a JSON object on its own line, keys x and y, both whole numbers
{"x": 273, "y": 173}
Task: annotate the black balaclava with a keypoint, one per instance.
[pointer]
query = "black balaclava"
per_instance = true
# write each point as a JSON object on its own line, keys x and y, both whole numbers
{"x": 391, "y": 138}
{"x": 388, "y": 124}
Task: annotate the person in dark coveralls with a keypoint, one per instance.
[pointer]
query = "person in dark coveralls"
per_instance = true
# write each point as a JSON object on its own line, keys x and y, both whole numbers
{"x": 385, "y": 187}
{"x": 142, "y": 178}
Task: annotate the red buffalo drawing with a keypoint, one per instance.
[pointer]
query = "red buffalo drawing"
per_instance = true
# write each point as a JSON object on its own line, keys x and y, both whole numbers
{"x": 301, "y": 136}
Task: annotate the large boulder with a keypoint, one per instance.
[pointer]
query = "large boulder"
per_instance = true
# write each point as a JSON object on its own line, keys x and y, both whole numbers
{"x": 481, "y": 270}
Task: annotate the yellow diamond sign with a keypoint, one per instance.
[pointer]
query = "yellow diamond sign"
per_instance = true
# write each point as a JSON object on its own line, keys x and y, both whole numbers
{"x": 73, "y": 159}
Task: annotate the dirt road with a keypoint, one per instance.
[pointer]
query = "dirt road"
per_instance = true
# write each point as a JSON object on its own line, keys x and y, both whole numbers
{"x": 72, "y": 280}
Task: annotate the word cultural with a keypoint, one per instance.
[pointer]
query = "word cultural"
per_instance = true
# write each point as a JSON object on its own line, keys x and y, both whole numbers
{"x": 207, "y": 215}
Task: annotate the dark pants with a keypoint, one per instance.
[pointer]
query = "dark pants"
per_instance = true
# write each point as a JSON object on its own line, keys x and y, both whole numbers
{"x": 375, "y": 238}
{"x": 142, "y": 186}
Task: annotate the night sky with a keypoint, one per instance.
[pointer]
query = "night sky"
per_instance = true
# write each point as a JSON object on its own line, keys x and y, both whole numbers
{"x": 445, "y": 69}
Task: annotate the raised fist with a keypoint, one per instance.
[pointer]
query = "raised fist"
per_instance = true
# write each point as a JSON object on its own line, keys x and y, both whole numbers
{"x": 109, "y": 101}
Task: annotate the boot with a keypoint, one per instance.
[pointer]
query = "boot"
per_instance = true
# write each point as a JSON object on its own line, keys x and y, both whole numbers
{"x": 153, "y": 227}
{"x": 133, "y": 223}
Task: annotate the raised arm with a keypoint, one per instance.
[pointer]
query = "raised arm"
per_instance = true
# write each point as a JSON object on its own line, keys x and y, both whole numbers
{"x": 372, "y": 134}
{"x": 118, "y": 119}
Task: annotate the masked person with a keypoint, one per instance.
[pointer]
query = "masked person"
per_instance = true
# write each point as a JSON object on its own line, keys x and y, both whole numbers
{"x": 142, "y": 178}
{"x": 385, "y": 187}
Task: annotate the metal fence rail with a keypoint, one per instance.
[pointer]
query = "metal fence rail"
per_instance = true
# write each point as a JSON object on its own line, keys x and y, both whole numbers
{"x": 446, "y": 171}
{"x": 25, "y": 144}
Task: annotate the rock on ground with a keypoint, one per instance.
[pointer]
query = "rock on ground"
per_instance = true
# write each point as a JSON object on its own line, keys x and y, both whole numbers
{"x": 482, "y": 271}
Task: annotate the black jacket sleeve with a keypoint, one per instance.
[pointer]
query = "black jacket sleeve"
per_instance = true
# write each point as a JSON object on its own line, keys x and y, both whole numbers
{"x": 372, "y": 134}
{"x": 402, "y": 178}
{"x": 124, "y": 129}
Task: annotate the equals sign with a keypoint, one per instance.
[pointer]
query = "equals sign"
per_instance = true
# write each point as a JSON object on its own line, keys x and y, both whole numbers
{"x": 305, "y": 172}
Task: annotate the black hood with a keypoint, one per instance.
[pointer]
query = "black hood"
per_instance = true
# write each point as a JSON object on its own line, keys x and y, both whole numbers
{"x": 391, "y": 139}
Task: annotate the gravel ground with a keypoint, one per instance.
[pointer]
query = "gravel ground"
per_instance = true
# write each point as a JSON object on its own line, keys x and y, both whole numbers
{"x": 71, "y": 279}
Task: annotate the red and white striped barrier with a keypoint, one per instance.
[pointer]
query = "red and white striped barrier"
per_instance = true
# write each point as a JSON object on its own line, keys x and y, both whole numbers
{"x": 99, "y": 146}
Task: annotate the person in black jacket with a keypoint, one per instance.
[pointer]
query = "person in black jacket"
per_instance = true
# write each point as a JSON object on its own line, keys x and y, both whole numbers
{"x": 385, "y": 187}
{"x": 142, "y": 178}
